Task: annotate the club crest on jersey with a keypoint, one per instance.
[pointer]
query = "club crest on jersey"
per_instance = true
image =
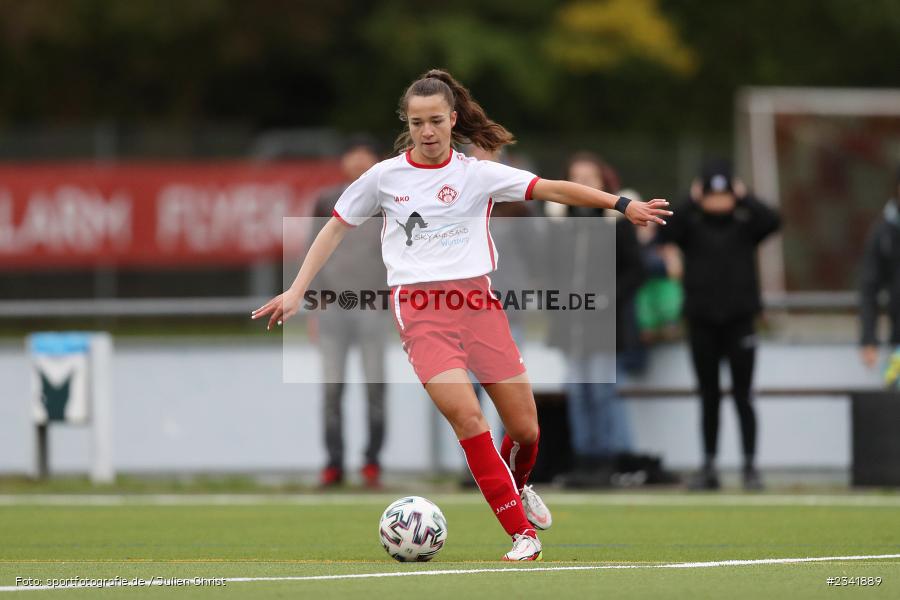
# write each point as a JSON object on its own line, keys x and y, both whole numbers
{"x": 447, "y": 195}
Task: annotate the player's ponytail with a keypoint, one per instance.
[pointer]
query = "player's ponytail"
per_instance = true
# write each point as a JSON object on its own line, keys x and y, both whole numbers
{"x": 472, "y": 124}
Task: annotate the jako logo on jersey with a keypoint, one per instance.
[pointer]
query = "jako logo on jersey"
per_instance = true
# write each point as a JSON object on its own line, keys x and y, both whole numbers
{"x": 509, "y": 504}
{"x": 447, "y": 195}
{"x": 410, "y": 225}
{"x": 399, "y": 199}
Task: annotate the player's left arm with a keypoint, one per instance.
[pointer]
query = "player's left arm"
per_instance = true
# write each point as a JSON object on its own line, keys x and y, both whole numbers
{"x": 575, "y": 194}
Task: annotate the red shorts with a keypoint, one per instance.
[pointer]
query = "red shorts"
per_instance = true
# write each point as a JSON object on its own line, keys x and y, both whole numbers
{"x": 455, "y": 325}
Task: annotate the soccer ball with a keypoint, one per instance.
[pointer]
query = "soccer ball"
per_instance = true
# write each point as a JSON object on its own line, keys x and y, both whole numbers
{"x": 412, "y": 529}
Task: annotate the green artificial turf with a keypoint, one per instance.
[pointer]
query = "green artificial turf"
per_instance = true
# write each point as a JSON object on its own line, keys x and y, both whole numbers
{"x": 334, "y": 535}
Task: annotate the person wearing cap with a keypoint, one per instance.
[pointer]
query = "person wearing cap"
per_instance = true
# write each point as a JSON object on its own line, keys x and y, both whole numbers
{"x": 881, "y": 270}
{"x": 357, "y": 266}
{"x": 718, "y": 230}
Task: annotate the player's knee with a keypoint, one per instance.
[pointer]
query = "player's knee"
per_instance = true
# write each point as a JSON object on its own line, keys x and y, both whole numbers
{"x": 526, "y": 432}
{"x": 470, "y": 425}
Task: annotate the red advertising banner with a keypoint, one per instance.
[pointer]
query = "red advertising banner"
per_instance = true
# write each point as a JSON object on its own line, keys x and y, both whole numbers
{"x": 152, "y": 214}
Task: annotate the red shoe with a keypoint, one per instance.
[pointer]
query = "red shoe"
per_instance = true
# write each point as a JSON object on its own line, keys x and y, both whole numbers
{"x": 371, "y": 474}
{"x": 331, "y": 477}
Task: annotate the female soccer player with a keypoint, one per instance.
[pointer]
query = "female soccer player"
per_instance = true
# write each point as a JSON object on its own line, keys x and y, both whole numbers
{"x": 430, "y": 181}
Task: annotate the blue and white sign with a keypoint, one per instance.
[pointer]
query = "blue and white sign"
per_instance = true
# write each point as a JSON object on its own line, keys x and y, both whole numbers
{"x": 60, "y": 377}
{"x": 72, "y": 384}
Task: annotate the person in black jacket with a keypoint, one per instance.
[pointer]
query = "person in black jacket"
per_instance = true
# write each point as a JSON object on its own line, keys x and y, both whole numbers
{"x": 718, "y": 230}
{"x": 881, "y": 270}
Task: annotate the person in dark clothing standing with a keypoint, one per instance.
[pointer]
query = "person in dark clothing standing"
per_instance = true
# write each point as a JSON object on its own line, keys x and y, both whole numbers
{"x": 598, "y": 418}
{"x": 881, "y": 270}
{"x": 357, "y": 265}
{"x": 718, "y": 230}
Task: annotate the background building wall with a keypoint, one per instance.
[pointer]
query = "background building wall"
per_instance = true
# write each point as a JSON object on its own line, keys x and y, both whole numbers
{"x": 188, "y": 406}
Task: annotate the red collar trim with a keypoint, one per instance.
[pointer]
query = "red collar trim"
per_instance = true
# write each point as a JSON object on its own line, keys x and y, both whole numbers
{"x": 423, "y": 166}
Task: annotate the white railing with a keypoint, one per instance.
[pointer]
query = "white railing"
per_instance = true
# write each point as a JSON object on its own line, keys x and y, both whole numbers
{"x": 131, "y": 307}
{"x": 241, "y": 305}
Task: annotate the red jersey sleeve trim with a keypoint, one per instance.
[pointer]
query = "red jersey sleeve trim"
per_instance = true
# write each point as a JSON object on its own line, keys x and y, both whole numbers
{"x": 334, "y": 213}
{"x": 530, "y": 189}
{"x": 487, "y": 229}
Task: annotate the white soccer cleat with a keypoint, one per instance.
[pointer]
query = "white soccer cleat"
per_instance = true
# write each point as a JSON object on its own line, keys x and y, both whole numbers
{"x": 535, "y": 510}
{"x": 524, "y": 548}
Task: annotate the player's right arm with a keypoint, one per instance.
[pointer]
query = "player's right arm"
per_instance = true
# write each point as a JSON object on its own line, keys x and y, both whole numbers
{"x": 284, "y": 306}
{"x": 356, "y": 204}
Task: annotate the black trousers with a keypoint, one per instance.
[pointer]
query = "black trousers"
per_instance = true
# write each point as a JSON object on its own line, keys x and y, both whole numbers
{"x": 337, "y": 336}
{"x": 735, "y": 341}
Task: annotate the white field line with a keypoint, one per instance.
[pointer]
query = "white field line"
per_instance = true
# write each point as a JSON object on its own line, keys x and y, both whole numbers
{"x": 688, "y": 565}
{"x": 556, "y": 499}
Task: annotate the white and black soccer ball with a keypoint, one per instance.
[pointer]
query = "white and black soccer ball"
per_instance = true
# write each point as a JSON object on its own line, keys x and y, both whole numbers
{"x": 412, "y": 529}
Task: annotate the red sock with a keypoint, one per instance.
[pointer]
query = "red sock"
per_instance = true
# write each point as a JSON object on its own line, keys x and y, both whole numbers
{"x": 520, "y": 458}
{"x": 496, "y": 483}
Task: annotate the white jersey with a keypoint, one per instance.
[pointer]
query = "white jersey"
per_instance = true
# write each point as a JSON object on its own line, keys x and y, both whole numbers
{"x": 436, "y": 217}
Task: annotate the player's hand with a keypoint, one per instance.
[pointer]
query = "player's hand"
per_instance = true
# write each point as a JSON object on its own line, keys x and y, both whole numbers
{"x": 869, "y": 355}
{"x": 280, "y": 308}
{"x": 642, "y": 213}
